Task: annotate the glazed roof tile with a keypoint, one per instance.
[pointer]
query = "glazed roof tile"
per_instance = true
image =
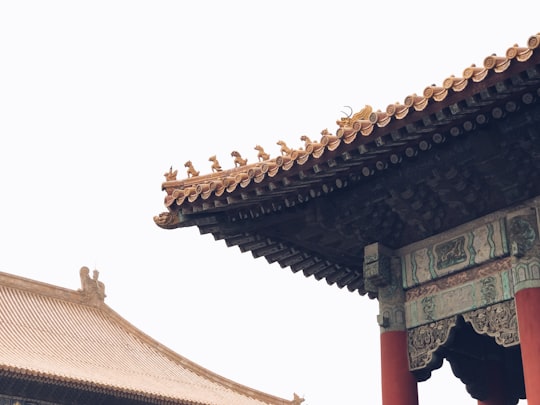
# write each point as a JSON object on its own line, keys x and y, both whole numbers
{"x": 204, "y": 192}
{"x": 457, "y": 151}
{"x": 54, "y": 334}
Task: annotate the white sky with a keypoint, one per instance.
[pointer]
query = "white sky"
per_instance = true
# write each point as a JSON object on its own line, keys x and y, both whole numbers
{"x": 99, "y": 98}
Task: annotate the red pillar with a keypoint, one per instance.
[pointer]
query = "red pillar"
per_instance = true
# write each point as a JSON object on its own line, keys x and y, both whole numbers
{"x": 496, "y": 385}
{"x": 527, "y": 307}
{"x": 399, "y": 387}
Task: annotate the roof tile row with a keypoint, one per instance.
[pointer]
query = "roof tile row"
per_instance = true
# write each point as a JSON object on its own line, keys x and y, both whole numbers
{"x": 60, "y": 338}
{"x": 363, "y": 122}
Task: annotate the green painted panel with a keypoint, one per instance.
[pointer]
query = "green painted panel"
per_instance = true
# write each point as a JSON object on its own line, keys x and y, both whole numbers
{"x": 443, "y": 257}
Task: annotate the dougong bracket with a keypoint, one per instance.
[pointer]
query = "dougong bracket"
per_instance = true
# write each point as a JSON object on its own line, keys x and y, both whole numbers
{"x": 376, "y": 266}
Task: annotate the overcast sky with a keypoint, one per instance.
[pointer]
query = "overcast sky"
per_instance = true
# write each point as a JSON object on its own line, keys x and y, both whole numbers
{"x": 99, "y": 98}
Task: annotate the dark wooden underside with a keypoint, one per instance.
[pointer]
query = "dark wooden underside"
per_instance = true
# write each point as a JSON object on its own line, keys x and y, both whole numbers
{"x": 443, "y": 168}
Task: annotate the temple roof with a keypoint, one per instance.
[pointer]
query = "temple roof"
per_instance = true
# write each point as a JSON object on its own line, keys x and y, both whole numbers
{"x": 68, "y": 346}
{"x": 457, "y": 151}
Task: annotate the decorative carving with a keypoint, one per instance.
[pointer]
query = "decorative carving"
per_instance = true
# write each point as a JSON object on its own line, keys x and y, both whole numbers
{"x": 488, "y": 290}
{"x": 100, "y": 287}
{"x": 297, "y": 400}
{"x": 86, "y": 281}
{"x": 450, "y": 253}
{"x": 325, "y": 132}
{"x": 307, "y": 140}
{"x": 216, "y": 167}
{"x": 166, "y": 220}
{"x": 522, "y": 234}
{"x": 459, "y": 293}
{"x": 171, "y": 175}
{"x": 92, "y": 289}
{"x": 428, "y": 307}
{"x": 425, "y": 340}
{"x": 525, "y": 248}
{"x": 454, "y": 280}
{"x": 238, "y": 160}
{"x": 363, "y": 114}
{"x": 262, "y": 155}
{"x": 350, "y": 111}
{"x": 498, "y": 321}
{"x": 285, "y": 150}
{"x": 191, "y": 172}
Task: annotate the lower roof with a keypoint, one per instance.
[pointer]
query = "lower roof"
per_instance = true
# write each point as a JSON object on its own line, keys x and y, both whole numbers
{"x": 63, "y": 346}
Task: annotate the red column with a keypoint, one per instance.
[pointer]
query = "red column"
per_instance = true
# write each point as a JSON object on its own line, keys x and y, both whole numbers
{"x": 399, "y": 387}
{"x": 527, "y": 309}
{"x": 496, "y": 385}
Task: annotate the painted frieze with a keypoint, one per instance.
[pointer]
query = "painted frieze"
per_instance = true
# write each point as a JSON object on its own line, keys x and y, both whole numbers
{"x": 498, "y": 321}
{"x": 440, "y": 257}
{"x": 459, "y": 293}
{"x": 469, "y": 276}
{"x": 424, "y": 341}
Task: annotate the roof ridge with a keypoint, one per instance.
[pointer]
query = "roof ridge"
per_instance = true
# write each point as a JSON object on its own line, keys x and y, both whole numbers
{"x": 365, "y": 122}
{"x": 39, "y": 287}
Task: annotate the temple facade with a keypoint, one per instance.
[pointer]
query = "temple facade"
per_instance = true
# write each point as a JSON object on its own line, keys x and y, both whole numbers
{"x": 430, "y": 206}
{"x": 67, "y": 347}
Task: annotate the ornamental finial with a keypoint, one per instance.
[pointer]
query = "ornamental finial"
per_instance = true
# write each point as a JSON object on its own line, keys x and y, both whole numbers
{"x": 171, "y": 175}
{"x": 363, "y": 114}
{"x": 191, "y": 172}
{"x": 216, "y": 167}
{"x": 238, "y": 160}
{"x": 92, "y": 289}
{"x": 262, "y": 155}
{"x": 297, "y": 400}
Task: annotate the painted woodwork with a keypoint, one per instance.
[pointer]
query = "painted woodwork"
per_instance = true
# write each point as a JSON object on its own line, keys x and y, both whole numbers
{"x": 498, "y": 321}
{"x": 453, "y": 295}
{"x": 446, "y": 256}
